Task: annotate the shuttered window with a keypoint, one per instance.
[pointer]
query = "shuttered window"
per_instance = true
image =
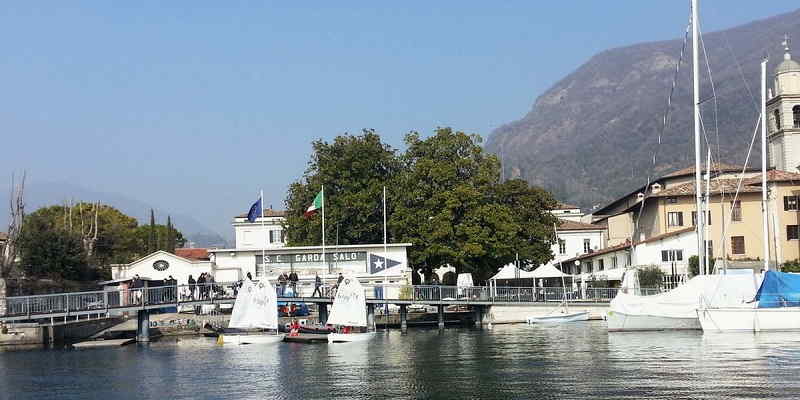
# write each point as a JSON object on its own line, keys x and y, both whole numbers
{"x": 737, "y": 244}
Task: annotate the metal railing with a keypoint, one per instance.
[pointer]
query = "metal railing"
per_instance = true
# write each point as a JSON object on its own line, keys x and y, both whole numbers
{"x": 108, "y": 300}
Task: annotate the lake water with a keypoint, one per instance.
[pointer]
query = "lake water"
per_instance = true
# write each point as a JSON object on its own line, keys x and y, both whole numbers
{"x": 573, "y": 361}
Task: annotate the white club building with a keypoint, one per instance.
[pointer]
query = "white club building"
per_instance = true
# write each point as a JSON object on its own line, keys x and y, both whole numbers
{"x": 260, "y": 250}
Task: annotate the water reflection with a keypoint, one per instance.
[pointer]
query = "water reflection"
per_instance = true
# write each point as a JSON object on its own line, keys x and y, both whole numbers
{"x": 559, "y": 361}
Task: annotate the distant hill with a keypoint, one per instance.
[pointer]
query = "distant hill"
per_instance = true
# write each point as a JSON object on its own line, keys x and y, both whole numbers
{"x": 44, "y": 194}
{"x": 590, "y": 137}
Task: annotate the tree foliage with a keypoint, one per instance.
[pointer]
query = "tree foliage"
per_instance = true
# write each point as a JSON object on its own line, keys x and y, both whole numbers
{"x": 444, "y": 196}
{"x": 55, "y": 245}
{"x": 651, "y": 277}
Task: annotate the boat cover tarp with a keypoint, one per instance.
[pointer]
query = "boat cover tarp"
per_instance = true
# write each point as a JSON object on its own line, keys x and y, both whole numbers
{"x": 779, "y": 289}
{"x": 683, "y": 301}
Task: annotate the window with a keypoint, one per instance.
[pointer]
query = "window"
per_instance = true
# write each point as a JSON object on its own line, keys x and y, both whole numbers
{"x": 628, "y": 261}
{"x": 736, "y": 211}
{"x": 671, "y": 255}
{"x": 789, "y": 203}
{"x": 614, "y": 262}
{"x": 777, "y": 115}
{"x": 588, "y": 267}
{"x": 672, "y": 200}
{"x": 275, "y": 236}
{"x": 737, "y": 244}
{"x": 259, "y": 270}
{"x": 796, "y": 117}
{"x": 601, "y": 264}
{"x": 562, "y": 246}
{"x": 792, "y": 232}
{"x": 675, "y": 218}
{"x": 694, "y": 218}
{"x": 587, "y": 245}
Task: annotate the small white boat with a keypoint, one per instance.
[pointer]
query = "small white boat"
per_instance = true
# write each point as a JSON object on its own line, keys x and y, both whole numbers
{"x": 561, "y": 317}
{"x": 256, "y": 307}
{"x": 350, "y": 337}
{"x": 349, "y": 309}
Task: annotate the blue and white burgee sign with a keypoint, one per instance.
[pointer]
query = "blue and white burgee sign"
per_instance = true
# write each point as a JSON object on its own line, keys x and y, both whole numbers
{"x": 379, "y": 264}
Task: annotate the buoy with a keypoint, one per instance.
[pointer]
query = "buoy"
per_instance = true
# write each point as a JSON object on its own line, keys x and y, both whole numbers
{"x": 220, "y": 340}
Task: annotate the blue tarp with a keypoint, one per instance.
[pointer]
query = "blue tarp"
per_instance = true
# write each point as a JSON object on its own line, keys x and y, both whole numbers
{"x": 779, "y": 289}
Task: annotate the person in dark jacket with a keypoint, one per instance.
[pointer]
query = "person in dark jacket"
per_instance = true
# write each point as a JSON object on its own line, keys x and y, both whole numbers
{"x": 201, "y": 284}
{"x": 293, "y": 282}
{"x": 317, "y": 286}
{"x": 249, "y": 277}
{"x": 192, "y": 286}
{"x": 282, "y": 282}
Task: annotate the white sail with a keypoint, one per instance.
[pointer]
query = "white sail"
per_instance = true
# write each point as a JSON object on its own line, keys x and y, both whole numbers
{"x": 349, "y": 305}
{"x": 256, "y": 307}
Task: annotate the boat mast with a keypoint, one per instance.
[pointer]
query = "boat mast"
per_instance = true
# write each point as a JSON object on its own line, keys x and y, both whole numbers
{"x": 697, "y": 143}
{"x": 561, "y": 269}
{"x": 764, "y": 162}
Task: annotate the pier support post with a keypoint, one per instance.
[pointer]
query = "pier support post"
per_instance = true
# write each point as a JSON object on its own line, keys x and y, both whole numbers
{"x": 440, "y": 311}
{"x": 371, "y": 317}
{"x": 143, "y": 326}
{"x": 478, "y": 315}
{"x": 323, "y": 313}
{"x": 403, "y": 318}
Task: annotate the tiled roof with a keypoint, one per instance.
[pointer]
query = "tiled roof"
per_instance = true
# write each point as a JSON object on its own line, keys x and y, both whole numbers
{"x": 721, "y": 167}
{"x": 566, "y": 225}
{"x": 774, "y": 175}
{"x": 627, "y": 245}
{"x": 268, "y": 212}
{"x": 717, "y": 186}
{"x": 564, "y": 206}
{"x": 192, "y": 254}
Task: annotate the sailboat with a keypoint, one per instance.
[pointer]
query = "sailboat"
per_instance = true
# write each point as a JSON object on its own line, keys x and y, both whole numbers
{"x": 256, "y": 308}
{"x": 561, "y": 315}
{"x": 776, "y": 306}
{"x": 349, "y": 310}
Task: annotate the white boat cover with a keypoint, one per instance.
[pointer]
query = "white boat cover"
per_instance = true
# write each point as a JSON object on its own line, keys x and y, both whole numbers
{"x": 350, "y": 305}
{"x": 256, "y": 306}
{"x": 683, "y": 301}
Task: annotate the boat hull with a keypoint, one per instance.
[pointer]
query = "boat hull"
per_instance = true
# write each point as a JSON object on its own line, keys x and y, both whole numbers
{"x": 560, "y": 318}
{"x": 749, "y": 319}
{"x": 349, "y": 337}
{"x": 249, "y": 339}
{"x": 621, "y": 322}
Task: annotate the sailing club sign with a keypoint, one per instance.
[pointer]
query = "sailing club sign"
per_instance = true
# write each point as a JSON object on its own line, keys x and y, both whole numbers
{"x": 304, "y": 258}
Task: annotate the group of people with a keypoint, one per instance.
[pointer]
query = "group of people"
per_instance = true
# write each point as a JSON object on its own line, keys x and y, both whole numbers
{"x": 291, "y": 280}
{"x": 203, "y": 286}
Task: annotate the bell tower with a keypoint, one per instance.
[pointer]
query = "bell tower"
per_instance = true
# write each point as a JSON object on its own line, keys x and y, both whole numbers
{"x": 783, "y": 114}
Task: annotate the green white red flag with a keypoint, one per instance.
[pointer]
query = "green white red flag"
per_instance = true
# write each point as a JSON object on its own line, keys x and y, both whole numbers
{"x": 315, "y": 206}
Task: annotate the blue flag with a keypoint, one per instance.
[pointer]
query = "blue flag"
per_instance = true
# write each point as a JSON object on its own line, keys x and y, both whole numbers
{"x": 255, "y": 211}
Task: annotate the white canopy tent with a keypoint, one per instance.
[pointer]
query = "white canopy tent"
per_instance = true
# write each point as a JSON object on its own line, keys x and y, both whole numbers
{"x": 547, "y": 271}
{"x": 509, "y": 272}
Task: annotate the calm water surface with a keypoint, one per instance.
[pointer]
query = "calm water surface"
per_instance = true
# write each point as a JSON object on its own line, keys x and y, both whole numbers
{"x": 574, "y": 361}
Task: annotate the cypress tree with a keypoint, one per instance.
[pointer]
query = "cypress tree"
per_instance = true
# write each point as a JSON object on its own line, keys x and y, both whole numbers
{"x": 152, "y": 244}
{"x": 170, "y": 236}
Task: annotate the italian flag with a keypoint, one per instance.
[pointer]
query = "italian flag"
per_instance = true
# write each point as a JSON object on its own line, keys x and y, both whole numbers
{"x": 315, "y": 206}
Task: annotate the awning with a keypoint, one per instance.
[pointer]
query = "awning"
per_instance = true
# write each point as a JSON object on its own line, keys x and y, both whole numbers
{"x": 547, "y": 271}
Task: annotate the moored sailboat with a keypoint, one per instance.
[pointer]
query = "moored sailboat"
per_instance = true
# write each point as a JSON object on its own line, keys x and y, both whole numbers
{"x": 349, "y": 310}
{"x": 255, "y": 309}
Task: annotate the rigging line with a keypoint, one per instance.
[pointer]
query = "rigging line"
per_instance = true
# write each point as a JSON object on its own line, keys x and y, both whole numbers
{"x": 714, "y": 96}
{"x": 741, "y": 175}
{"x": 664, "y": 123}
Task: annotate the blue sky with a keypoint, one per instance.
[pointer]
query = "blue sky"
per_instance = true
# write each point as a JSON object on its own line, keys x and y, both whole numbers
{"x": 196, "y": 105}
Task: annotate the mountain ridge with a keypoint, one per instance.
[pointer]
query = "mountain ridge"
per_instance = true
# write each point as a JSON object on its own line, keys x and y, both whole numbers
{"x": 590, "y": 136}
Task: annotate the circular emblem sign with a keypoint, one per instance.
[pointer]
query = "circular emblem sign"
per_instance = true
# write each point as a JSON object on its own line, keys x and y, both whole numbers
{"x": 160, "y": 265}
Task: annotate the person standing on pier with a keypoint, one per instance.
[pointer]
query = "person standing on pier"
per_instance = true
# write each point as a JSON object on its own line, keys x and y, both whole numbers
{"x": 293, "y": 283}
{"x": 192, "y": 286}
{"x": 282, "y": 281}
{"x": 201, "y": 283}
{"x": 317, "y": 286}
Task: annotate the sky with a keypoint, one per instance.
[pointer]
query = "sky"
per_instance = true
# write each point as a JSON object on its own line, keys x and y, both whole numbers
{"x": 195, "y": 106}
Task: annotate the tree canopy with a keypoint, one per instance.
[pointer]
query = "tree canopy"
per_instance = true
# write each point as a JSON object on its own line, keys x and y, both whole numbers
{"x": 444, "y": 196}
{"x": 76, "y": 241}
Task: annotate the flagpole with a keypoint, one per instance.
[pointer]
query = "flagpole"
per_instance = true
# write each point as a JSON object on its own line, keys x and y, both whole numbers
{"x": 324, "y": 262}
{"x": 385, "y": 262}
{"x": 266, "y": 237}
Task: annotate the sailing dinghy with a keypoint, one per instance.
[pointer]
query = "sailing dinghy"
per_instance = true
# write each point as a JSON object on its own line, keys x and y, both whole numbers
{"x": 349, "y": 310}
{"x": 256, "y": 308}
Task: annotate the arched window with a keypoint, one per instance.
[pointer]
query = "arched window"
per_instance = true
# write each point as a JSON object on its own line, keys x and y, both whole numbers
{"x": 796, "y": 116}
{"x": 777, "y": 115}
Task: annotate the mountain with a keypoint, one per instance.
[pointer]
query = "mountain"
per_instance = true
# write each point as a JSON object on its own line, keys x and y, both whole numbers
{"x": 49, "y": 193}
{"x": 590, "y": 138}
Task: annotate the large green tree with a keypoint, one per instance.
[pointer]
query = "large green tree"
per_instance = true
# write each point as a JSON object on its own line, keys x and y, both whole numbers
{"x": 354, "y": 170}
{"x": 49, "y": 250}
{"x": 453, "y": 208}
{"x": 444, "y": 196}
